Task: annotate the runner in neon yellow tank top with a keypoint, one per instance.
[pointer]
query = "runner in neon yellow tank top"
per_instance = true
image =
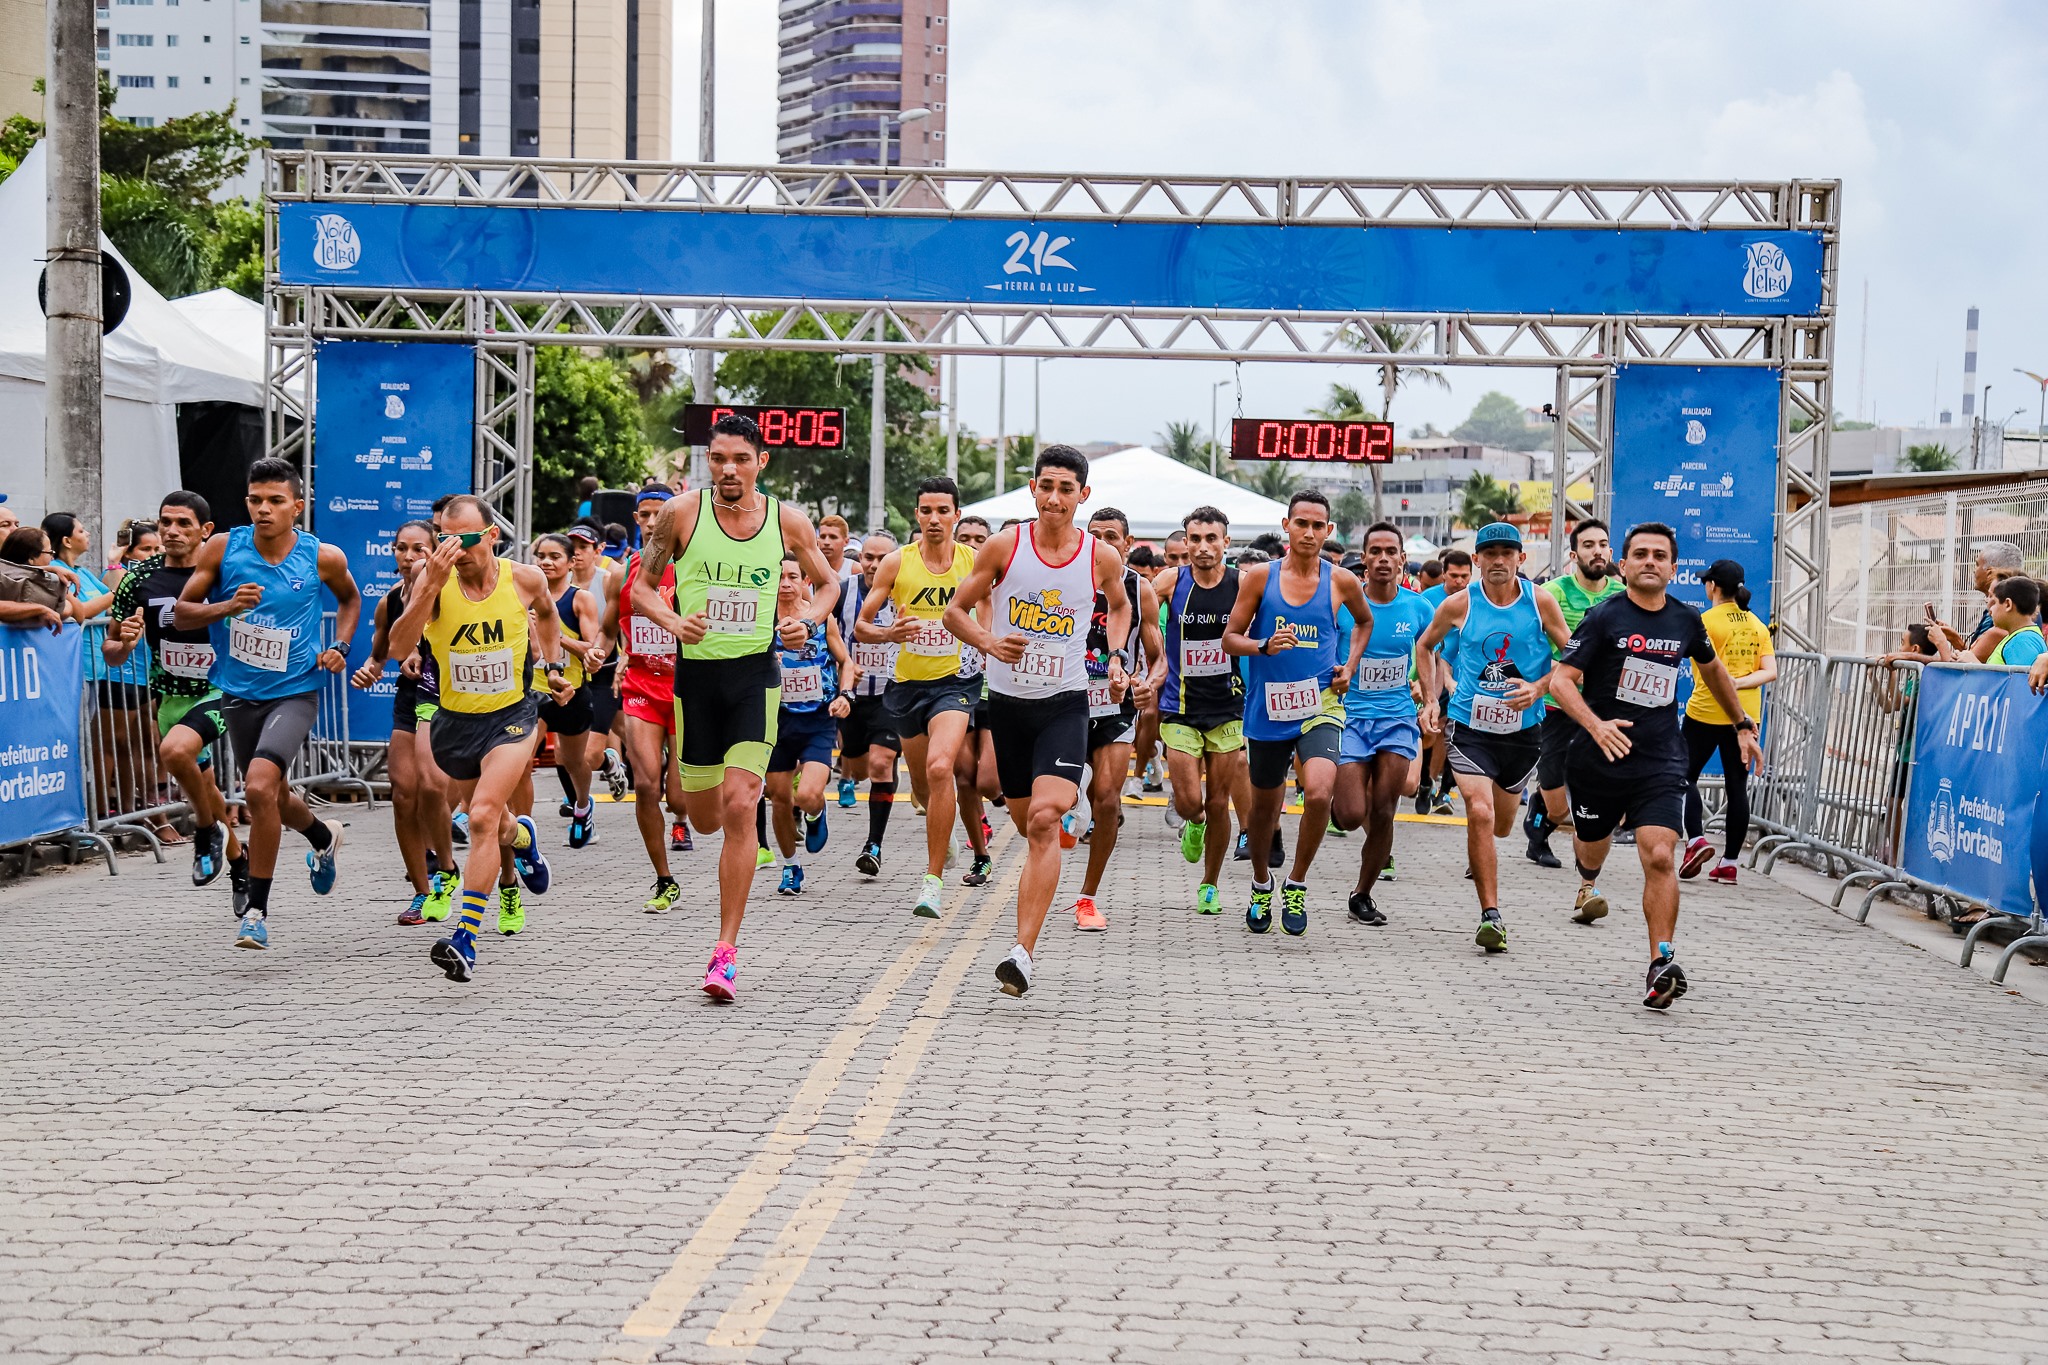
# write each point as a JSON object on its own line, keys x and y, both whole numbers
{"x": 726, "y": 543}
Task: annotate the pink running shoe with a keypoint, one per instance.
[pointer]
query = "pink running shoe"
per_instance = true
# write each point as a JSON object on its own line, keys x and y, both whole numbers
{"x": 1697, "y": 855}
{"x": 1724, "y": 873}
{"x": 719, "y": 976}
{"x": 1087, "y": 918}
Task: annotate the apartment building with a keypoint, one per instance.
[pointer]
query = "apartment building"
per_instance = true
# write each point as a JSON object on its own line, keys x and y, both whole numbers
{"x": 843, "y": 66}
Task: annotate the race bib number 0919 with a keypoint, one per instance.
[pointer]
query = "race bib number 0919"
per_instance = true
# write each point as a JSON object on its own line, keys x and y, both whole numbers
{"x": 481, "y": 674}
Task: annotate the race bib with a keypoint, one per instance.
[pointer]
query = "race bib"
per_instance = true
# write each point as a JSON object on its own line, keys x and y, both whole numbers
{"x": 932, "y": 641}
{"x": 1100, "y": 702}
{"x": 1203, "y": 659}
{"x": 1382, "y": 675}
{"x": 1493, "y": 715}
{"x": 731, "y": 611}
{"x": 874, "y": 658}
{"x": 1645, "y": 682}
{"x": 649, "y": 640}
{"x": 264, "y": 647}
{"x": 1044, "y": 665}
{"x": 803, "y": 686}
{"x": 484, "y": 673}
{"x": 1297, "y": 699}
{"x": 183, "y": 660}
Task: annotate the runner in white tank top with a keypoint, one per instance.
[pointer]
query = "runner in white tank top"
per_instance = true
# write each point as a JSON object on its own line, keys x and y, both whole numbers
{"x": 1049, "y": 605}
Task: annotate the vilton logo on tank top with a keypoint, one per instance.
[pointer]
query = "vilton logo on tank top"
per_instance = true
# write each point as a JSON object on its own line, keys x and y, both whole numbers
{"x": 1042, "y": 613}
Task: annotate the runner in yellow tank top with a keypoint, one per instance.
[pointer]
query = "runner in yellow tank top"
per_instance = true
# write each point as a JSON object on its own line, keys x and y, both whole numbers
{"x": 930, "y": 702}
{"x": 472, "y": 608}
{"x": 727, "y": 543}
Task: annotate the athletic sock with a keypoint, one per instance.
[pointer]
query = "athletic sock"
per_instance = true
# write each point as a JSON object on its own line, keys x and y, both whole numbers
{"x": 761, "y": 823}
{"x": 259, "y": 897}
{"x": 881, "y": 801}
{"x": 1262, "y": 886}
{"x": 1290, "y": 884}
{"x": 318, "y": 835}
{"x": 568, "y": 787}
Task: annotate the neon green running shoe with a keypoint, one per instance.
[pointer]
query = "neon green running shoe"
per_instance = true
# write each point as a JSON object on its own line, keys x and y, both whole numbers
{"x": 511, "y": 913}
{"x": 1208, "y": 901}
{"x": 763, "y": 859}
{"x": 666, "y": 894}
{"x": 1191, "y": 836}
{"x": 441, "y": 899}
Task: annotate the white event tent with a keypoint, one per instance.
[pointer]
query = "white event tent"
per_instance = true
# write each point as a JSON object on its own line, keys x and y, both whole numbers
{"x": 1155, "y": 491}
{"x": 155, "y": 360}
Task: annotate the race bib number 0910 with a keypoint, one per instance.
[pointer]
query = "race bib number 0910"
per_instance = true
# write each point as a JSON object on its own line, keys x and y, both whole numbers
{"x": 731, "y": 611}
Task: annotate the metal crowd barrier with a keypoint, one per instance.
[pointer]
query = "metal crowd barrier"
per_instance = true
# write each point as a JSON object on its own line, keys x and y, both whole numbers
{"x": 1778, "y": 794}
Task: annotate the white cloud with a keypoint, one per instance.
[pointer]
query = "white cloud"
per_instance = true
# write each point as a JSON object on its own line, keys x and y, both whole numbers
{"x": 1822, "y": 133}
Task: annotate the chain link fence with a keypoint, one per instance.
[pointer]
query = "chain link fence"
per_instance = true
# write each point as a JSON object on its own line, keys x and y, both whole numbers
{"x": 1888, "y": 560}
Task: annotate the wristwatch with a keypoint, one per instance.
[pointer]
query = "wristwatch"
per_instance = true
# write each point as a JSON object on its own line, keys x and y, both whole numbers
{"x": 1745, "y": 724}
{"x": 554, "y": 665}
{"x": 1122, "y": 656}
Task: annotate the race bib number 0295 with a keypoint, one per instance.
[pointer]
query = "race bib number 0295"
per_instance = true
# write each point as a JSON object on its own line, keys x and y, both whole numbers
{"x": 1382, "y": 675}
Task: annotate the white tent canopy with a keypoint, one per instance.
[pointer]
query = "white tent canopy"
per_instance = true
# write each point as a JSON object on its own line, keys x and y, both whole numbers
{"x": 154, "y": 361}
{"x": 1155, "y": 491}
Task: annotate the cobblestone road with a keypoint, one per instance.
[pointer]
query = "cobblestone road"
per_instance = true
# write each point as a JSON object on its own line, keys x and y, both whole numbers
{"x": 1186, "y": 1144}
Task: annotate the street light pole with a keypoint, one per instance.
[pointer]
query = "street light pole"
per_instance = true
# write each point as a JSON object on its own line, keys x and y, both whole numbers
{"x": 2041, "y": 420}
{"x": 702, "y": 371}
{"x": 952, "y": 364}
{"x": 1215, "y": 437}
{"x": 72, "y": 449}
{"x": 1035, "y": 361}
{"x": 1002, "y": 419}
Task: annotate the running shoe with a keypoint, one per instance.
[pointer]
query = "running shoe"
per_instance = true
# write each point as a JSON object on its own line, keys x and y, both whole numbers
{"x": 1443, "y": 805}
{"x": 815, "y": 833}
{"x": 238, "y": 884}
{"x": 529, "y": 862}
{"x": 1070, "y": 830}
{"x": 1258, "y": 916}
{"x": 916, "y": 804}
{"x": 208, "y": 860}
{"x": 952, "y": 853}
{"x": 1013, "y": 973}
{"x": 1665, "y": 981}
{"x": 614, "y": 774}
{"x": 1336, "y": 833}
{"x": 455, "y": 956}
{"x": 1589, "y": 905}
{"x": 458, "y": 827}
{"x": 1493, "y": 932}
{"x": 1387, "y": 872}
{"x": 433, "y": 862}
{"x": 722, "y": 973}
{"x": 1624, "y": 837}
{"x": 846, "y": 793}
{"x": 1724, "y": 872}
{"x": 1087, "y": 918}
{"x": 869, "y": 863}
{"x": 1173, "y": 818}
{"x": 1088, "y": 833}
{"x": 440, "y": 896}
{"x": 763, "y": 858}
{"x": 1698, "y": 854}
{"x": 1364, "y": 911}
{"x": 582, "y": 829}
{"x": 927, "y": 906}
{"x": 1208, "y": 900}
{"x": 792, "y": 883}
{"x": 511, "y": 911}
{"x": 1294, "y": 910}
{"x": 1242, "y": 853}
{"x": 978, "y": 874}
{"x": 1539, "y": 850}
{"x": 1425, "y": 802}
{"x": 567, "y": 810}
{"x": 416, "y": 912}
{"x": 320, "y": 864}
{"x": 253, "y": 933}
{"x": 1192, "y": 834}
{"x": 679, "y": 840}
{"x": 666, "y": 894}
{"x": 988, "y": 831}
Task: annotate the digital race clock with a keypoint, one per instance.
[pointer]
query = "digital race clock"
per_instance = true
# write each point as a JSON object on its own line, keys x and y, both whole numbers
{"x": 1253, "y": 438}
{"x": 781, "y": 427}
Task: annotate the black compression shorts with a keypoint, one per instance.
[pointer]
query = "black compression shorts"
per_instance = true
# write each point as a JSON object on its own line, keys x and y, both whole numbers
{"x": 1271, "y": 759}
{"x": 1038, "y": 737}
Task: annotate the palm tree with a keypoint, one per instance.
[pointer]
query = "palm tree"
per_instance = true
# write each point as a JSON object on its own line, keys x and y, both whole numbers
{"x": 1183, "y": 441}
{"x": 1268, "y": 478}
{"x": 1487, "y": 499}
{"x": 1929, "y": 459}
{"x": 1350, "y": 511}
{"x": 1346, "y": 405}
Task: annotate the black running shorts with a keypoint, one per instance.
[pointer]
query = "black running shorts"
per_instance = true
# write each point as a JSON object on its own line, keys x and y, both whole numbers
{"x": 1507, "y": 759}
{"x": 726, "y": 711}
{"x": 1270, "y": 760}
{"x": 913, "y": 704}
{"x": 462, "y": 738}
{"x": 1601, "y": 803}
{"x": 1107, "y": 730}
{"x": 1038, "y": 737}
{"x": 572, "y": 718}
{"x": 1556, "y": 732}
{"x": 868, "y": 726}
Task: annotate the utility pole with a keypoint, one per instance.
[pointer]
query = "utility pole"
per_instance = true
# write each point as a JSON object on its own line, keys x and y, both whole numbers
{"x": 702, "y": 383}
{"x": 952, "y": 364}
{"x": 878, "y": 514}
{"x": 71, "y": 429}
{"x": 1002, "y": 419}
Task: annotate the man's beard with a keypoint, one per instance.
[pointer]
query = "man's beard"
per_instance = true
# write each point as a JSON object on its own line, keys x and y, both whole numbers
{"x": 1600, "y": 570}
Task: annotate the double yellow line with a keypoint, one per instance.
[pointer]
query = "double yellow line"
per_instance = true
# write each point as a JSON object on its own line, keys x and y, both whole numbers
{"x": 754, "y": 1307}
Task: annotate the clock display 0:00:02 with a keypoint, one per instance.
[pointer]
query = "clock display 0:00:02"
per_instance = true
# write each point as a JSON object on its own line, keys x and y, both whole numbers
{"x": 1304, "y": 439}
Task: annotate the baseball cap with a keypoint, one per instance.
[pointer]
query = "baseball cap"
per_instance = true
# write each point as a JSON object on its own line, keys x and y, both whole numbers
{"x": 1497, "y": 533}
{"x": 656, "y": 494}
{"x": 581, "y": 531}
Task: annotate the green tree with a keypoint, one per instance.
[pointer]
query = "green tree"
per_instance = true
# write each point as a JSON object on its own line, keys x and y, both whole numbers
{"x": 1184, "y": 442}
{"x": 586, "y": 420}
{"x": 1351, "y": 511}
{"x": 1484, "y": 499}
{"x": 1346, "y": 404}
{"x": 1496, "y": 420}
{"x": 1273, "y": 479}
{"x": 1395, "y": 337}
{"x": 1929, "y": 459}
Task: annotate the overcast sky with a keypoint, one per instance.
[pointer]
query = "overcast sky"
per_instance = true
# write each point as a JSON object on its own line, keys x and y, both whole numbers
{"x": 1931, "y": 114}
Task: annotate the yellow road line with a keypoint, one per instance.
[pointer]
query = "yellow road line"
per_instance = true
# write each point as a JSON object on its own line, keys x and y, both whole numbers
{"x": 671, "y": 1295}
{"x": 754, "y": 1308}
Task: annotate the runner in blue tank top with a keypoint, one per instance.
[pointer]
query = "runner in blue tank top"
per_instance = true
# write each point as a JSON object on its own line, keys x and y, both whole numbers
{"x": 1293, "y": 704}
{"x": 257, "y": 590}
{"x": 1502, "y": 668}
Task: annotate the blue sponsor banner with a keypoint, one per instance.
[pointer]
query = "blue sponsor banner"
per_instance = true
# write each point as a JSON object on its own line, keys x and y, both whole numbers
{"x": 1974, "y": 815}
{"x": 394, "y": 432}
{"x": 42, "y": 788}
{"x": 1697, "y": 449}
{"x": 1307, "y": 268}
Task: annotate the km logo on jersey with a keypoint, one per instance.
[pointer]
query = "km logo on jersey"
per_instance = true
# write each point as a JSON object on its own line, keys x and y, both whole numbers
{"x": 932, "y": 595}
{"x": 477, "y": 634}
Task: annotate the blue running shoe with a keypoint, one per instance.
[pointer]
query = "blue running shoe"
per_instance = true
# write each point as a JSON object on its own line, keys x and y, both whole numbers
{"x": 529, "y": 862}
{"x": 321, "y": 864}
{"x": 458, "y": 828}
{"x": 412, "y": 914}
{"x": 209, "y": 849}
{"x": 253, "y": 933}
{"x": 846, "y": 785}
{"x": 455, "y": 956}
{"x": 792, "y": 881}
{"x": 1258, "y": 916}
{"x": 814, "y": 833}
{"x": 581, "y": 832}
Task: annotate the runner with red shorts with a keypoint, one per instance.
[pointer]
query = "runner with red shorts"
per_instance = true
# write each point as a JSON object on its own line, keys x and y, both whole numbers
{"x": 647, "y": 711}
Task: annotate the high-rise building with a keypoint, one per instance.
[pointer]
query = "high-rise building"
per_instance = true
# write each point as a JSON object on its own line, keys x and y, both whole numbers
{"x": 24, "y": 45}
{"x": 556, "y": 78}
{"x": 844, "y": 65}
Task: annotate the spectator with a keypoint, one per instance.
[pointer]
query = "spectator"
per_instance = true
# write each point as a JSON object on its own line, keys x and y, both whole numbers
{"x": 1996, "y": 560}
{"x": 1897, "y": 687}
{"x": 124, "y": 728}
{"x": 1431, "y": 575}
{"x": 27, "y": 545}
{"x": 1743, "y": 643}
{"x": 586, "y": 489}
{"x": 68, "y": 543}
{"x": 8, "y": 519}
{"x": 2015, "y": 604}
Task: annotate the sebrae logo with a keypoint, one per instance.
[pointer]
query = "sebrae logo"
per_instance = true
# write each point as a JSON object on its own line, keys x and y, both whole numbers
{"x": 335, "y": 244}
{"x": 1031, "y": 257}
{"x": 1695, "y": 432}
{"x": 394, "y": 406}
{"x": 1941, "y": 823}
{"x": 1768, "y": 274}
{"x": 1674, "y": 485}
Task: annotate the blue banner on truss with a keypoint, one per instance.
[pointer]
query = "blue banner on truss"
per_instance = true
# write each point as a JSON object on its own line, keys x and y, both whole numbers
{"x": 916, "y": 260}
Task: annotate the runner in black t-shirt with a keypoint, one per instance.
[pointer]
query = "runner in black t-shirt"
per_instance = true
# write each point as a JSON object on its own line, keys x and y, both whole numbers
{"x": 1618, "y": 678}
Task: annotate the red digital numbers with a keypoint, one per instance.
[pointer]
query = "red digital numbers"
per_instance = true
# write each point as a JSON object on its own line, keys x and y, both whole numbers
{"x": 1345, "y": 442}
{"x": 781, "y": 427}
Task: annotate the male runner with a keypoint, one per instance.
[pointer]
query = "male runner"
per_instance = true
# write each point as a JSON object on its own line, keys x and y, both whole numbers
{"x": 1113, "y": 714}
{"x": 188, "y": 718}
{"x": 580, "y": 615}
{"x": 1284, "y": 623}
{"x": 814, "y": 681}
{"x": 590, "y": 571}
{"x": 473, "y": 610}
{"x": 1498, "y": 660}
{"x": 867, "y": 735}
{"x": 647, "y": 712}
{"x": 833, "y": 538}
{"x": 726, "y": 544}
{"x": 1377, "y": 758}
{"x": 1041, "y": 579}
{"x": 1201, "y": 702}
{"x": 1454, "y": 575}
{"x": 1177, "y": 551}
{"x": 930, "y": 702}
{"x": 1592, "y": 578}
{"x": 974, "y": 771}
{"x": 257, "y": 588}
{"x": 1618, "y": 679}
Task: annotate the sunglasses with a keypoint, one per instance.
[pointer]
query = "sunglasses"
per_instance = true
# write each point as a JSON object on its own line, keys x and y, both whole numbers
{"x": 469, "y": 539}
